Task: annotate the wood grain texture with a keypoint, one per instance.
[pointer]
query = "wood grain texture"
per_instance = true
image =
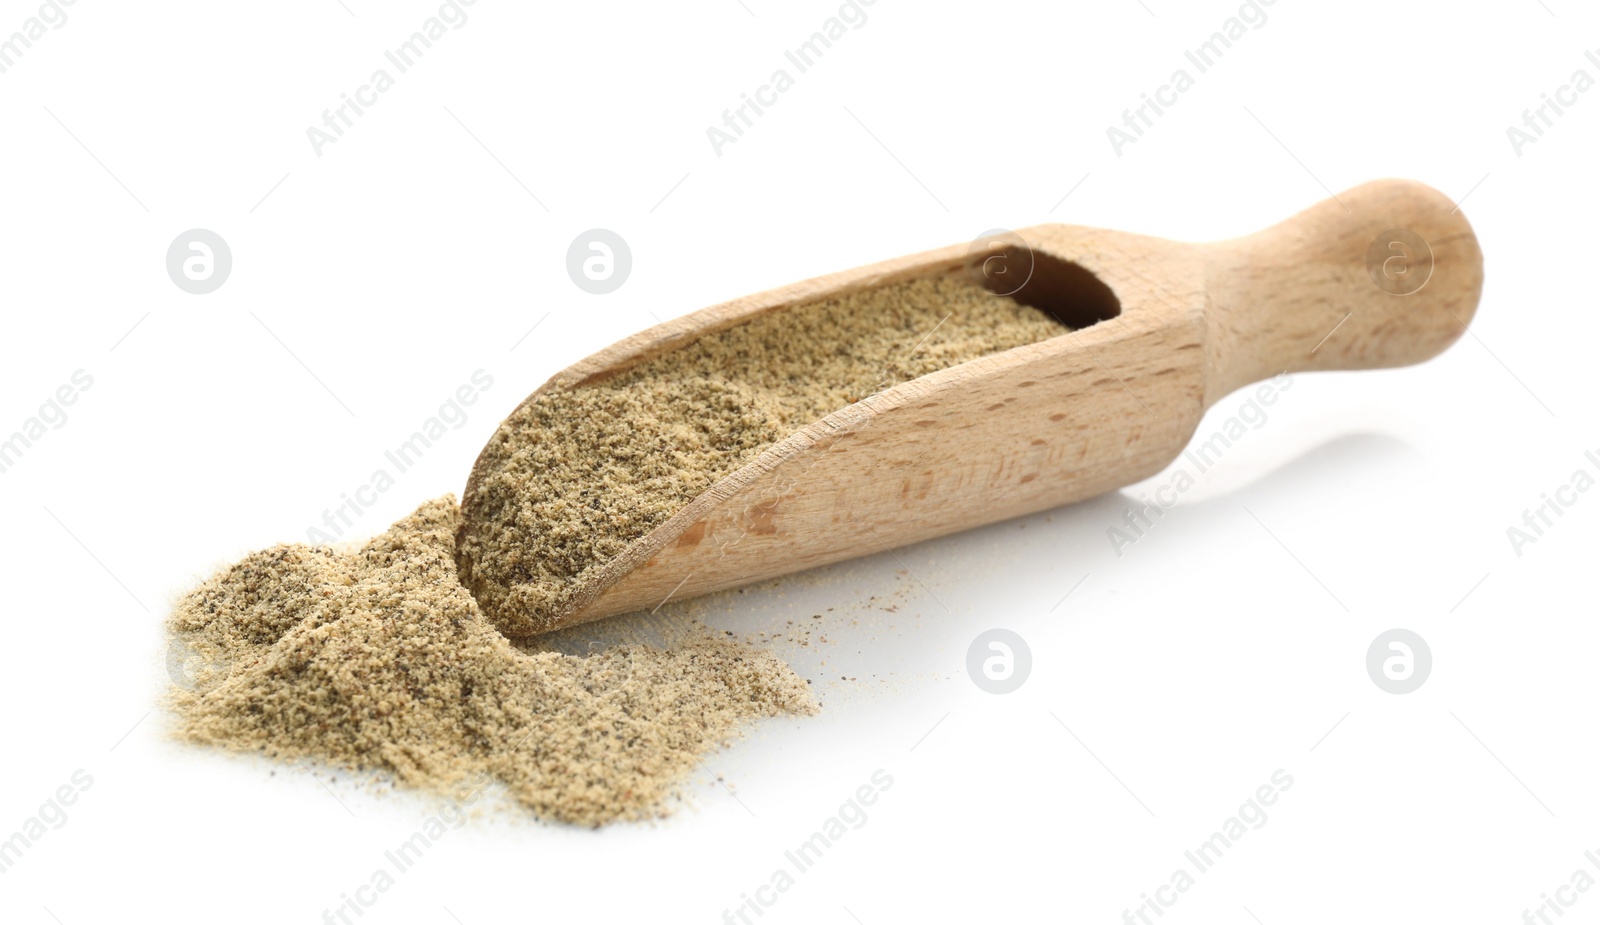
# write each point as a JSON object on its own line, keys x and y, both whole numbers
{"x": 1053, "y": 422}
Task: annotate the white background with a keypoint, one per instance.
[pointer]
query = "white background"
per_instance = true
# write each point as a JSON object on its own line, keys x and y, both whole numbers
{"x": 373, "y": 280}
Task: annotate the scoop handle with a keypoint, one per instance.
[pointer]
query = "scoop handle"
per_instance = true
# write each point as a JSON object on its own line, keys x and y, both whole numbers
{"x": 1385, "y": 274}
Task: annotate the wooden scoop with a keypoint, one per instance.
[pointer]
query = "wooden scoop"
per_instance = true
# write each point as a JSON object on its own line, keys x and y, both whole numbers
{"x": 1387, "y": 274}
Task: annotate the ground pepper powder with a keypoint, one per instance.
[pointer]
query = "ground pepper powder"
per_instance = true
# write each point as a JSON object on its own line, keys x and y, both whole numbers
{"x": 416, "y": 655}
